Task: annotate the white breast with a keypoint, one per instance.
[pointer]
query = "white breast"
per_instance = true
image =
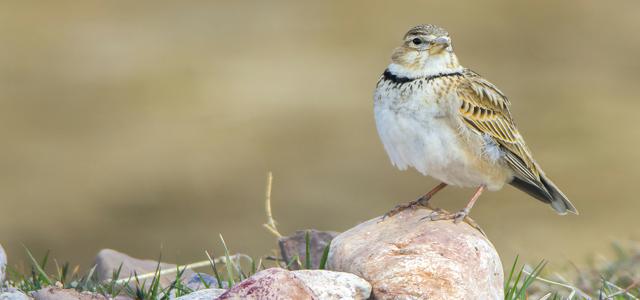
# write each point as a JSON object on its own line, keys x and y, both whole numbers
{"x": 419, "y": 129}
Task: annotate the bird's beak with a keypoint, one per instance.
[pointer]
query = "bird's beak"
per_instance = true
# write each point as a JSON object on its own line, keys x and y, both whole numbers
{"x": 442, "y": 41}
{"x": 439, "y": 44}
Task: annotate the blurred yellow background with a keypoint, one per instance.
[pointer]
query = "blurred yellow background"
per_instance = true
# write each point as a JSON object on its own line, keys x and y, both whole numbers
{"x": 149, "y": 127}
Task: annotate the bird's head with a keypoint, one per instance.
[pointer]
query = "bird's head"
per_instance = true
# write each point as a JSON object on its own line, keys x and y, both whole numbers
{"x": 425, "y": 50}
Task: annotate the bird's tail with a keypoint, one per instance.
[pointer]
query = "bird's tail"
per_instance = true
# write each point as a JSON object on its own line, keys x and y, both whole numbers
{"x": 559, "y": 201}
{"x": 546, "y": 191}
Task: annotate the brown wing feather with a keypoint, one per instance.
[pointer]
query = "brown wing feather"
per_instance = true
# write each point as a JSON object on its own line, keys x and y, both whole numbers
{"x": 485, "y": 110}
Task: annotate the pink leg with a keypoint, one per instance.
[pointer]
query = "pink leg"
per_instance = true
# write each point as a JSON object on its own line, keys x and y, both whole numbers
{"x": 459, "y": 216}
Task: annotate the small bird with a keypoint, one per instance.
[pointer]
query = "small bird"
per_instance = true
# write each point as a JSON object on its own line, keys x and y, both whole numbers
{"x": 450, "y": 123}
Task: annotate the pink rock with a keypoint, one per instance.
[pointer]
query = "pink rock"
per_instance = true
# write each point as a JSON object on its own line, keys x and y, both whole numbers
{"x": 274, "y": 283}
{"x": 406, "y": 257}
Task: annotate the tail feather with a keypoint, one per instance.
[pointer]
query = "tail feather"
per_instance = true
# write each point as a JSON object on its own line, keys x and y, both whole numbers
{"x": 547, "y": 192}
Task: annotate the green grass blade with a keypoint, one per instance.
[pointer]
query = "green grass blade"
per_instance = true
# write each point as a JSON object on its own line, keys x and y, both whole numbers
{"x": 65, "y": 272}
{"x": 529, "y": 279}
{"x": 174, "y": 285}
{"x": 514, "y": 289}
{"x": 38, "y": 268}
{"x": 86, "y": 281}
{"x": 294, "y": 259}
{"x": 228, "y": 264}
{"x": 507, "y": 283}
{"x": 307, "y": 250}
{"x": 325, "y": 256}
{"x": 205, "y": 283}
{"x": 154, "y": 289}
{"x": 212, "y": 262}
{"x": 45, "y": 260}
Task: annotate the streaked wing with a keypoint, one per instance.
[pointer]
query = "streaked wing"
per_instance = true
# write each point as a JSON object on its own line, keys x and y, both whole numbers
{"x": 485, "y": 110}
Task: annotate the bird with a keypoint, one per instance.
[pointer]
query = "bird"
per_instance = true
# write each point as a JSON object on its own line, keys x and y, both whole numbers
{"x": 450, "y": 123}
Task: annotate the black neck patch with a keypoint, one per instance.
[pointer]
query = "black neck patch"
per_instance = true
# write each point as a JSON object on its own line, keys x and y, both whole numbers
{"x": 400, "y": 80}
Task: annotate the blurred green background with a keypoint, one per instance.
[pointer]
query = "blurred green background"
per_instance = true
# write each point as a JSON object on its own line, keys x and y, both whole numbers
{"x": 149, "y": 126}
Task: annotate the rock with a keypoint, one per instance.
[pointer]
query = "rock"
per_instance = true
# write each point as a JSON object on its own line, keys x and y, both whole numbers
{"x": 295, "y": 245}
{"x": 334, "y": 285}
{"x": 12, "y": 294}
{"x": 273, "y": 283}
{"x": 206, "y": 294}
{"x": 405, "y": 257}
{"x": 3, "y": 264}
{"x": 108, "y": 261}
{"x": 55, "y": 293}
{"x": 276, "y": 283}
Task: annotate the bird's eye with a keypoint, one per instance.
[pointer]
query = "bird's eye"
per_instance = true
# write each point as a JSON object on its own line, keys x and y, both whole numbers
{"x": 416, "y": 41}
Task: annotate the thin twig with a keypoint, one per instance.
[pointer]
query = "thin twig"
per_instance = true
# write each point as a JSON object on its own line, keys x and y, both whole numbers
{"x": 200, "y": 264}
{"x": 271, "y": 223}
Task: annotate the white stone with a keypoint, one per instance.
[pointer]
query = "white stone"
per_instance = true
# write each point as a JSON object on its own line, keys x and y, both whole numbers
{"x": 3, "y": 264}
{"x": 334, "y": 285}
{"x": 206, "y": 294}
{"x": 13, "y": 294}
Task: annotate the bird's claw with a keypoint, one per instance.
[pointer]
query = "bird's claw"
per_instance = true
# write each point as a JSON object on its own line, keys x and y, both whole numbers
{"x": 435, "y": 215}
{"x": 439, "y": 214}
{"x": 459, "y": 216}
{"x": 422, "y": 201}
{"x": 397, "y": 209}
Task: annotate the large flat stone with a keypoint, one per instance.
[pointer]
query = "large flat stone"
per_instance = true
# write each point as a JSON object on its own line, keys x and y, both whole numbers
{"x": 408, "y": 257}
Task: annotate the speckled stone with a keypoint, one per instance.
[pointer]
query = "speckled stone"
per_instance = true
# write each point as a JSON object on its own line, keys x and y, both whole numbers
{"x": 332, "y": 285}
{"x": 276, "y": 283}
{"x": 408, "y": 257}
{"x": 204, "y": 294}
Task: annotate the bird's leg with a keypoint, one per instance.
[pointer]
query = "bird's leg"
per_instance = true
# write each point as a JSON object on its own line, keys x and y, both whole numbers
{"x": 460, "y": 215}
{"x": 422, "y": 201}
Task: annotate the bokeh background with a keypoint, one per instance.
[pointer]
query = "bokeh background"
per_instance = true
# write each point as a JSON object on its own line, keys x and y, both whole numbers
{"x": 149, "y": 127}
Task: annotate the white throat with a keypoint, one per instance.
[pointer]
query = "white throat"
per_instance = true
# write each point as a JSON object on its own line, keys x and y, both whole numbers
{"x": 429, "y": 66}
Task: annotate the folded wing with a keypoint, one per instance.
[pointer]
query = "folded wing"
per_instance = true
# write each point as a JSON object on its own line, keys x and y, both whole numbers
{"x": 485, "y": 110}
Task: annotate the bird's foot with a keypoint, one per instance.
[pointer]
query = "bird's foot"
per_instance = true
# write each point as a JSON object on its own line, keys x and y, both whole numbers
{"x": 422, "y": 201}
{"x": 440, "y": 214}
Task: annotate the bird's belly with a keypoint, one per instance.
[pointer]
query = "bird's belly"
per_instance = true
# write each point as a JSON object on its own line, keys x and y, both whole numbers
{"x": 433, "y": 145}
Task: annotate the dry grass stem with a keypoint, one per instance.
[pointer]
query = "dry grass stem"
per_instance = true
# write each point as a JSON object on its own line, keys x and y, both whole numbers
{"x": 200, "y": 264}
{"x": 271, "y": 223}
